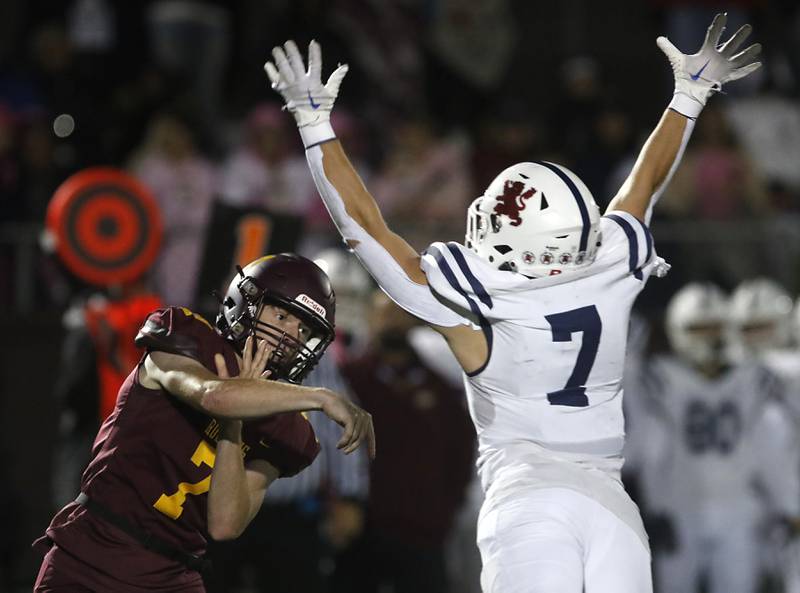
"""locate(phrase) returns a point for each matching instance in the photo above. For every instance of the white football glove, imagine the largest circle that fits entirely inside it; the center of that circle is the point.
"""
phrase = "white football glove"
(699, 75)
(302, 90)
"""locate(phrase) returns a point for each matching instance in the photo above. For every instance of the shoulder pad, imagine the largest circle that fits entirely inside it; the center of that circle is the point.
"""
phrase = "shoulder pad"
(178, 330)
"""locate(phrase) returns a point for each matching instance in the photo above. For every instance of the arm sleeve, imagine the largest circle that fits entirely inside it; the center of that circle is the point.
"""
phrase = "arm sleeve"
(687, 133)
(777, 459)
(415, 298)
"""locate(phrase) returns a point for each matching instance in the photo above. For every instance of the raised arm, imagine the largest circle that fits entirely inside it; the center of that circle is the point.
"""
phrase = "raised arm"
(359, 206)
(697, 77)
(393, 263)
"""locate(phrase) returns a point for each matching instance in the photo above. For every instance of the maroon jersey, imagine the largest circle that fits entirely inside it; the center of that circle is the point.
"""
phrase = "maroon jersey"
(152, 461)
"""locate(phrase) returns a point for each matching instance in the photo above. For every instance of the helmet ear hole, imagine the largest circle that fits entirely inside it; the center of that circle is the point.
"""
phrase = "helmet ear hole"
(502, 249)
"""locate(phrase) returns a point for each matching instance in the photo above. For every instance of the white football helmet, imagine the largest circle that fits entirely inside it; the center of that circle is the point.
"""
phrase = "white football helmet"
(353, 286)
(537, 219)
(759, 320)
(695, 322)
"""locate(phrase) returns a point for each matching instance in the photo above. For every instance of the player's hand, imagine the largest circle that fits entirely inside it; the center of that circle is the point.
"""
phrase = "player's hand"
(701, 74)
(302, 90)
(253, 365)
(356, 422)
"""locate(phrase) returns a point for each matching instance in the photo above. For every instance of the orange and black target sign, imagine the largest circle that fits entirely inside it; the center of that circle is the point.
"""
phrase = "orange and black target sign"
(106, 226)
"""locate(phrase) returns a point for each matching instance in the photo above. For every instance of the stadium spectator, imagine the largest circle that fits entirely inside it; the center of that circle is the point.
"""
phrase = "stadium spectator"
(508, 134)
(190, 40)
(184, 183)
(768, 126)
(717, 180)
(425, 177)
(419, 481)
(265, 170)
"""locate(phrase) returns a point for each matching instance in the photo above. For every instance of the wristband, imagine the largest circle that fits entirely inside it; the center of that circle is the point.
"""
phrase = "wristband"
(314, 134)
(685, 105)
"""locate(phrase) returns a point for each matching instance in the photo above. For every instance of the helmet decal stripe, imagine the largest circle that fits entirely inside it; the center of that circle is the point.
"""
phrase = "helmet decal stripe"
(578, 199)
(476, 285)
(633, 243)
(447, 271)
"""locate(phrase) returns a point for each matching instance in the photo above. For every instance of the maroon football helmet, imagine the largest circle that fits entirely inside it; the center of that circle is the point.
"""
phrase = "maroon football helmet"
(293, 283)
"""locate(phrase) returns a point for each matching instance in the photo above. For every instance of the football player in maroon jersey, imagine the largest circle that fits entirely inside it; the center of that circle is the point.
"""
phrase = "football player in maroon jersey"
(201, 428)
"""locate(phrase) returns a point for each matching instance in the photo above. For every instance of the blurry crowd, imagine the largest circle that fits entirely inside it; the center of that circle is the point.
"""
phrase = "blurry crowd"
(440, 97)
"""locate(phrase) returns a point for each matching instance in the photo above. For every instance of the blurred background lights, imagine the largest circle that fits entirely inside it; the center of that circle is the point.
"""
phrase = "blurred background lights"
(63, 125)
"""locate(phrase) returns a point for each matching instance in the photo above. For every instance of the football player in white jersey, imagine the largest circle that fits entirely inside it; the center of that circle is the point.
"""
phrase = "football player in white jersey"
(726, 450)
(788, 367)
(760, 326)
(535, 308)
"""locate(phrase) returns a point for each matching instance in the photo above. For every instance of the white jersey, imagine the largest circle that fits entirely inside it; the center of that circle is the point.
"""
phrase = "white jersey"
(785, 363)
(547, 405)
(726, 442)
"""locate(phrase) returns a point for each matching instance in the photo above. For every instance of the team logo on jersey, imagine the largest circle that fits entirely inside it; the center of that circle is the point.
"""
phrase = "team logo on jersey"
(311, 304)
(512, 201)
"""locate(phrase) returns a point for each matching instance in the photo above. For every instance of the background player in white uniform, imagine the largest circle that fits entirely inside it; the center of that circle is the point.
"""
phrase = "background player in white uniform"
(535, 309)
(762, 327)
(724, 468)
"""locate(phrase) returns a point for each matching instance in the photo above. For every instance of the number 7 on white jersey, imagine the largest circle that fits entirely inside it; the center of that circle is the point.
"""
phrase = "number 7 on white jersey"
(563, 325)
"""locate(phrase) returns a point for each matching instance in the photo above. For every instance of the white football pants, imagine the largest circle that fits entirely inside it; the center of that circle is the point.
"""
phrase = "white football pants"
(557, 540)
(726, 548)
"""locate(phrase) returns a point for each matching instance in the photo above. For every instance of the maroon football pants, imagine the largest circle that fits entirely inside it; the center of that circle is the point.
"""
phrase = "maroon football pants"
(63, 573)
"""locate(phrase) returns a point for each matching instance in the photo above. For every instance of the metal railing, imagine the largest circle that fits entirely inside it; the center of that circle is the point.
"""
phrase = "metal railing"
(726, 251)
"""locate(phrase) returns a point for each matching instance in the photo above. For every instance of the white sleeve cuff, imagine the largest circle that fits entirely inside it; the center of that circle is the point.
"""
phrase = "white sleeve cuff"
(316, 134)
(685, 105)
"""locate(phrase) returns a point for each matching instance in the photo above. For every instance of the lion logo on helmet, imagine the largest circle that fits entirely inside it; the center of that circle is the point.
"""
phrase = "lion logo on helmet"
(512, 201)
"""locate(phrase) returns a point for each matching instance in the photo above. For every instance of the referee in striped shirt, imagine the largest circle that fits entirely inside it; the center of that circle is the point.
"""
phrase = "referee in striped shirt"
(305, 520)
